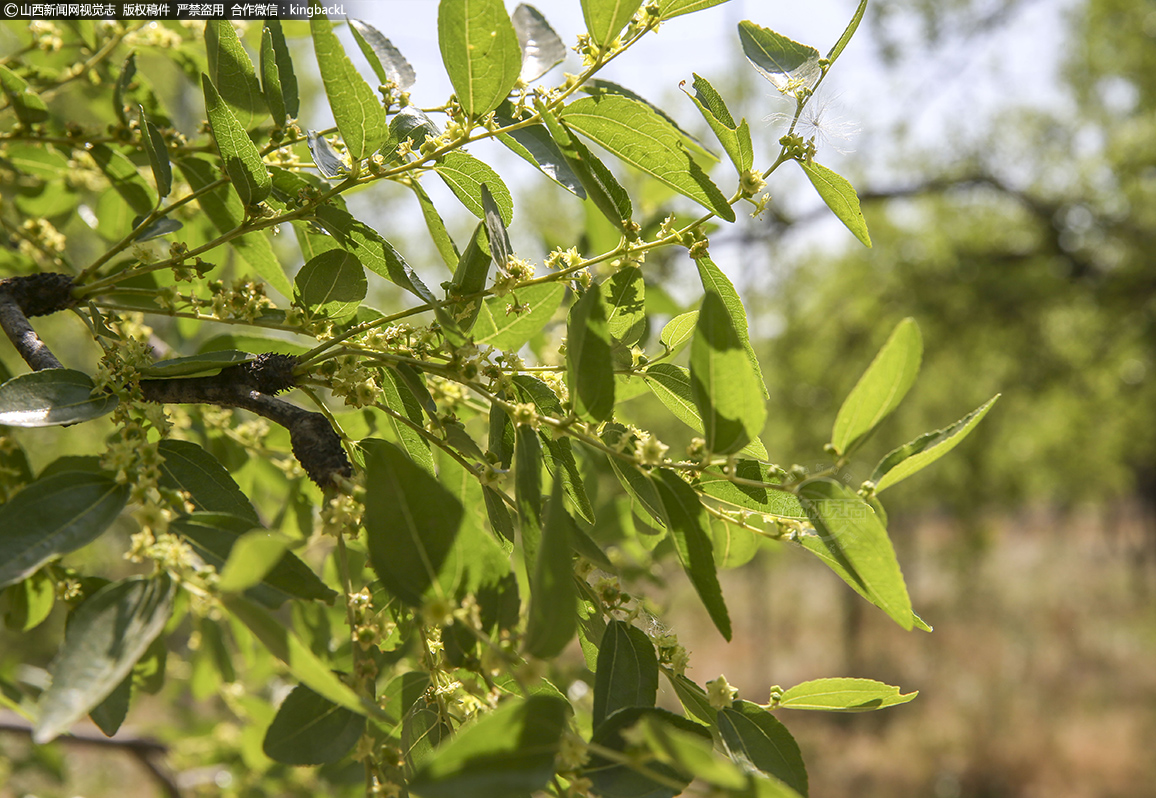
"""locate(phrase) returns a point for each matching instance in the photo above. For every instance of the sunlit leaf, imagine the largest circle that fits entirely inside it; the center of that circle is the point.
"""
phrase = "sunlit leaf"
(724, 384)
(356, 108)
(606, 18)
(853, 535)
(480, 51)
(640, 137)
(331, 285)
(231, 72)
(840, 197)
(589, 368)
(881, 388)
(911, 457)
(843, 695)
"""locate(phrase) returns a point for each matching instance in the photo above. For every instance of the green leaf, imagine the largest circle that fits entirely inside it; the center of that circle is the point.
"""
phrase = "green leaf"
(110, 713)
(674, 8)
(735, 139)
(605, 19)
(843, 695)
(640, 137)
(480, 51)
(374, 252)
(398, 397)
(688, 532)
(469, 281)
(624, 297)
(386, 60)
(331, 285)
(213, 535)
(553, 618)
(158, 155)
(411, 521)
(541, 47)
(881, 388)
(124, 178)
(436, 226)
(253, 557)
(106, 636)
(271, 77)
(627, 671)
(598, 87)
(589, 367)
(510, 321)
(231, 71)
(55, 515)
(601, 187)
(624, 781)
(195, 364)
(558, 453)
(190, 468)
(29, 602)
(678, 330)
(226, 213)
(714, 280)
(671, 384)
(465, 175)
(911, 457)
(30, 109)
(751, 497)
(733, 545)
(357, 110)
(534, 145)
(509, 751)
(852, 26)
(724, 384)
(286, 78)
(840, 197)
(242, 160)
(528, 490)
(691, 754)
(499, 239)
(693, 698)
(309, 729)
(854, 536)
(50, 398)
(284, 644)
(751, 734)
(788, 65)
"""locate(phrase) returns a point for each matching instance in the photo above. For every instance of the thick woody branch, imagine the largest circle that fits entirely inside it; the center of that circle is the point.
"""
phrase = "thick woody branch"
(33, 295)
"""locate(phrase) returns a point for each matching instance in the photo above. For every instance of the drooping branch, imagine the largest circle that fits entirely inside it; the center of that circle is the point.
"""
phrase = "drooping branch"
(249, 386)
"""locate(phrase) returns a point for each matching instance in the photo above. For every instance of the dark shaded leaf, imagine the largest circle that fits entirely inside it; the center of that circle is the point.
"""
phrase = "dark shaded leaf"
(553, 619)
(51, 397)
(55, 515)
(589, 367)
(688, 531)
(788, 65)
(106, 636)
(309, 729)
(411, 522)
(190, 468)
(627, 672)
(751, 734)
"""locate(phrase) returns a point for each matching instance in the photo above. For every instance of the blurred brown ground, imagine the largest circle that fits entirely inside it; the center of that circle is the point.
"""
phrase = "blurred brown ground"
(1039, 680)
